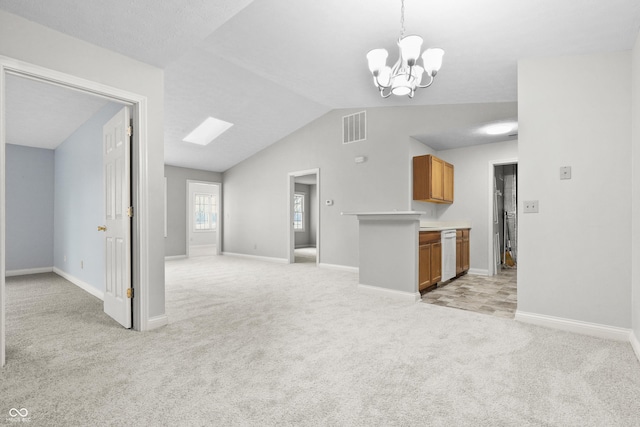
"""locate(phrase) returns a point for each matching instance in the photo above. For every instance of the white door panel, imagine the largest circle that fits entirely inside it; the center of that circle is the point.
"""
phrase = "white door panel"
(117, 191)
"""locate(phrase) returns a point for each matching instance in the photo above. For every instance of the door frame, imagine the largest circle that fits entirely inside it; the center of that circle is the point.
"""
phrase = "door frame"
(291, 237)
(218, 213)
(492, 173)
(139, 180)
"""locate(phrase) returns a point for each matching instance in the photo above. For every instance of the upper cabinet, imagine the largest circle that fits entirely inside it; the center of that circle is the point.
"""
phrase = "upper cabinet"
(432, 179)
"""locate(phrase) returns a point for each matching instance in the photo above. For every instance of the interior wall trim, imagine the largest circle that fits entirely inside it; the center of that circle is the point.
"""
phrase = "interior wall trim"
(575, 326)
(174, 257)
(479, 271)
(79, 283)
(258, 257)
(157, 322)
(25, 271)
(339, 267)
(635, 344)
(398, 295)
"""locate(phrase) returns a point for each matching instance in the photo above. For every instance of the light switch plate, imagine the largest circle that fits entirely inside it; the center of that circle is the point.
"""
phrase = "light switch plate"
(565, 172)
(530, 206)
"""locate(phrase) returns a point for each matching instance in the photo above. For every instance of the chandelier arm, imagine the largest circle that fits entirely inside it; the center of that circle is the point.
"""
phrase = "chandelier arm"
(428, 84)
(380, 85)
(382, 93)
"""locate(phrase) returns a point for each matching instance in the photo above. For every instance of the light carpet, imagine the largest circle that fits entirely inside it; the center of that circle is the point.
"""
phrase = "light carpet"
(257, 343)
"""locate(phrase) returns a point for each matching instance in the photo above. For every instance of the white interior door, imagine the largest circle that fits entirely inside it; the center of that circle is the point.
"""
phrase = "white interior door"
(117, 227)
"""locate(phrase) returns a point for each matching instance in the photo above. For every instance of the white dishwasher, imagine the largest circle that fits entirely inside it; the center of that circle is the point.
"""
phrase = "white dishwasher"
(448, 240)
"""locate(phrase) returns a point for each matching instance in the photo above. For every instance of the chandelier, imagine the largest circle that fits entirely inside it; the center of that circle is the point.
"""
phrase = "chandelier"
(406, 75)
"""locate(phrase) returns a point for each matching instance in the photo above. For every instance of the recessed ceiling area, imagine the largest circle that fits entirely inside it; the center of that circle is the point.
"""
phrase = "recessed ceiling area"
(270, 67)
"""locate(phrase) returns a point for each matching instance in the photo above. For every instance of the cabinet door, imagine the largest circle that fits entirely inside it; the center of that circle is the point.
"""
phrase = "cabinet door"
(458, 255)
(437, 175)
(436, 262)
(465, 250)
(448, 183)
(424, 266)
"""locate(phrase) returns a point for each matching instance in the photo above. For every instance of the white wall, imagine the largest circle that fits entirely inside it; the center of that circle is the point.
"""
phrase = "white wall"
(575, 258)
(255, 196)
(635, 249)
(26, 41)
(472, 194)
(29, 199)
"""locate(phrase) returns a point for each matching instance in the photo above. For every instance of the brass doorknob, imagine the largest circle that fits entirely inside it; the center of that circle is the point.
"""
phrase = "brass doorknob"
(102, 228)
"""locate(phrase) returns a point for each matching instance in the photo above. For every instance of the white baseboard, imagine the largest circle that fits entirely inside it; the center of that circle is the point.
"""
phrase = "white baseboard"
(406, 296)
(257, 257)
(24, 272)
(174, 257)
(575, 326)
(157, 322)
(635, 344)
(79, 283)
(478, 271)
(340, 267)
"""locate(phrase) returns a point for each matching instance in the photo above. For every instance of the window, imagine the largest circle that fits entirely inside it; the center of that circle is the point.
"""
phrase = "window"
(204, 212)
(298, 212)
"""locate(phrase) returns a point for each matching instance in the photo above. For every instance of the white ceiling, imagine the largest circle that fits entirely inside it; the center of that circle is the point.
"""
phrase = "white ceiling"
(272, 66)
(44, 115)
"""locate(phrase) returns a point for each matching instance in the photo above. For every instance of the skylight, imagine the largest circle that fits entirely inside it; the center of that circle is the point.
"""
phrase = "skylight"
(209, 130)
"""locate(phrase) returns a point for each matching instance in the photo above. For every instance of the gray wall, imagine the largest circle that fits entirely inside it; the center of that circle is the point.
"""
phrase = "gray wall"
(36, 44)
(575, 261)
(635, 225)
(255, 196)
(29, 201)
(79, 201)
(176, 240)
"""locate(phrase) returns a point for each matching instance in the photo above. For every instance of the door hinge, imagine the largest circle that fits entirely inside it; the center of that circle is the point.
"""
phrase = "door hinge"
(129, 292)
(130, 211)
(130, 131)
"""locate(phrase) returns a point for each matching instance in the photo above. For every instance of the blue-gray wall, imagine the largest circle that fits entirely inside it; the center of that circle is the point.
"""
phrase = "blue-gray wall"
(79, 203)
(29, 204)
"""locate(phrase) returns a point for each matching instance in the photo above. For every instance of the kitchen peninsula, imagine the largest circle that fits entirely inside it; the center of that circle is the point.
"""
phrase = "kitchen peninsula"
(389, 255)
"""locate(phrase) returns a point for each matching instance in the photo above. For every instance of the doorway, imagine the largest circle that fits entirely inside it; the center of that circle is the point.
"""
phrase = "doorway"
(304, 217)
(204, 219)
(139, 184)
(505, 217)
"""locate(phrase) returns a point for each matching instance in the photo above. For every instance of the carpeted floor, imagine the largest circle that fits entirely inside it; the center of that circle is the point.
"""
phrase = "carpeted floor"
(266, 344)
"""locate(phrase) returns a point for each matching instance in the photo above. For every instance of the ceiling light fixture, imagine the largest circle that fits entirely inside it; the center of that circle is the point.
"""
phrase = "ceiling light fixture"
(208, 130)
(405, 76)
(500, 128)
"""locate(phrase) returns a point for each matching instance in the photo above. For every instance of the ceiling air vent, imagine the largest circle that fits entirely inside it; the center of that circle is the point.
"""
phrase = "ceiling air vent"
(354, 127)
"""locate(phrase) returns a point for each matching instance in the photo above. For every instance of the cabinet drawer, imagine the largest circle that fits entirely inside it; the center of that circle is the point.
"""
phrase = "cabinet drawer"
(429, 237)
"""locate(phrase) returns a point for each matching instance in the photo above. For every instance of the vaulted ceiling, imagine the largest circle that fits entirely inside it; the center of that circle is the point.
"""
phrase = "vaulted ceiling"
(272, 66)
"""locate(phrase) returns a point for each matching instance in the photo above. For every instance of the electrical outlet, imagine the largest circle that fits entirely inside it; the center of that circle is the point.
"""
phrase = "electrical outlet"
(565, 172)
(530, 206)
(64, 258)
(82, 264)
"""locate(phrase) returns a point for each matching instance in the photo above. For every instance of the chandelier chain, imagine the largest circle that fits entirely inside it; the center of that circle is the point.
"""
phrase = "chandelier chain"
(402, 19)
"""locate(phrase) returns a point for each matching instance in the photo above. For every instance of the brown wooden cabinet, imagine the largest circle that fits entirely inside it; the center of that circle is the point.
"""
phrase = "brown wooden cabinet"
(429, 259)
(462, 251)
(432, 179)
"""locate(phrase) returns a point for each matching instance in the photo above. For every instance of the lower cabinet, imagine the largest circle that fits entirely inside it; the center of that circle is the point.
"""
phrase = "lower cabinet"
(430, 256)
(462, 251)
(429, 259)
